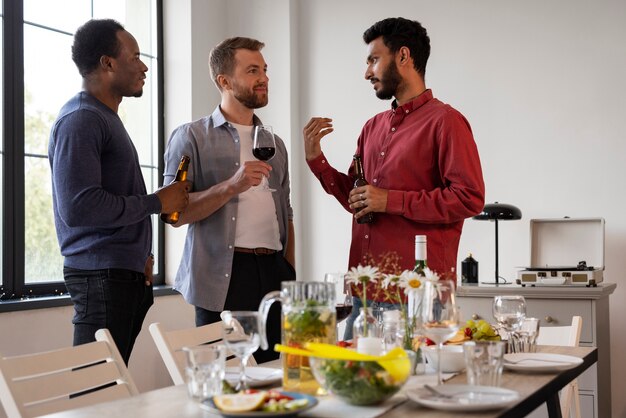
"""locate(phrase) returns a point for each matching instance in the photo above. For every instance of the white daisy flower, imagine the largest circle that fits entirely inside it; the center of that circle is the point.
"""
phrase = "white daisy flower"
(410, 280)
(362, 275)
(430, 275)
(390, 280)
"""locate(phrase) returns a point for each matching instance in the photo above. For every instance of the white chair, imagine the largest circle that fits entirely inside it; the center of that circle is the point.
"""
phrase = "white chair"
(565, 336)
(170, 344)
(43, 383)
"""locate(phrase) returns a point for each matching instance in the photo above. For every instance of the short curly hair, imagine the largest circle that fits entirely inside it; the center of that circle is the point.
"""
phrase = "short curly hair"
(92, 40)
(398, 32)
(222, 57)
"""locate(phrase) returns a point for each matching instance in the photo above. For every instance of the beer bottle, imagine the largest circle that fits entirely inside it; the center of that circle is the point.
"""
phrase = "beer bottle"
(181, 175)
(358, 182)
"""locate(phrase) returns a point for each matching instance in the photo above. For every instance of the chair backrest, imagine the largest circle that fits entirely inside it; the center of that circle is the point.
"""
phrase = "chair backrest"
(568, 335)
(68, 378)
(170, 344)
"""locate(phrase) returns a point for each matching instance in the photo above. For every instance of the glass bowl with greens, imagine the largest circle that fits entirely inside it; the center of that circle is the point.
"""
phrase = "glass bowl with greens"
(357, 382)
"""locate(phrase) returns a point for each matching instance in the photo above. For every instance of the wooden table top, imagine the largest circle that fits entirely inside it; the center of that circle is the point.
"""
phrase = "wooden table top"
(534, 390)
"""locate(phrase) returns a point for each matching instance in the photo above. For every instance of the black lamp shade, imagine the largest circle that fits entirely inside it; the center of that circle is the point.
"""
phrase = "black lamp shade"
(499, 211)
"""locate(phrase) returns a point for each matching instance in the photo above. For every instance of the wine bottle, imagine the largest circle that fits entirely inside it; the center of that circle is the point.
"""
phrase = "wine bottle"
(420, 254)
(181, 175)
(358, 182)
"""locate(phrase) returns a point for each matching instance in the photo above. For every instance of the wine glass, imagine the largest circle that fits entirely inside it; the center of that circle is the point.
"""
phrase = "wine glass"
(509, 311)
(343, 294)
(240, 330)
(438, 318)
(264, 148)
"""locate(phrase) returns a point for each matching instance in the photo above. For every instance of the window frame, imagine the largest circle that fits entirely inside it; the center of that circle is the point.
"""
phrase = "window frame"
(13, 285)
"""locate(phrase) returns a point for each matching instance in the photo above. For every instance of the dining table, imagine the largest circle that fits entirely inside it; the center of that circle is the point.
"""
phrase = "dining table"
(535, 389)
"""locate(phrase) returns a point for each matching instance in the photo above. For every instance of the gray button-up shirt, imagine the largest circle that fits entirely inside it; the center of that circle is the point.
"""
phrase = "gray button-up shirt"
(213, 145)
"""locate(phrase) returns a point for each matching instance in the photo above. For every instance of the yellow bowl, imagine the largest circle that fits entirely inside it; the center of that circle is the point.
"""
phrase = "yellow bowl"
(357, 382)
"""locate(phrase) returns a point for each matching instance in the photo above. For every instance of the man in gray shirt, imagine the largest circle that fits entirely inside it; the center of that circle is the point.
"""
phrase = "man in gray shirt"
(240, 240)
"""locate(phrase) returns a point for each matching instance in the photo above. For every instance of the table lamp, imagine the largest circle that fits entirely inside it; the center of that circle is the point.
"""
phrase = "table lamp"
(498, 212)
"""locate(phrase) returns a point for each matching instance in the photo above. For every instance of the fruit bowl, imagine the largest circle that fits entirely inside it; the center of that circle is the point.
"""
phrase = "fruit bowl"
(453, 360)
(359, 382)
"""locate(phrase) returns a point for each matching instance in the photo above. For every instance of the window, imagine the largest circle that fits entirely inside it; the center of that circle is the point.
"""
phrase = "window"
(40, 77)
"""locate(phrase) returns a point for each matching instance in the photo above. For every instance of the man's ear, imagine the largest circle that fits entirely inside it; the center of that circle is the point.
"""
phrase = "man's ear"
(405, 54)
(106, 63)
(223, 82)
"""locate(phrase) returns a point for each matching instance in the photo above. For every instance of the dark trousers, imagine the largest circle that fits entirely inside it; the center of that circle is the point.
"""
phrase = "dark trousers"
(251, 278)
(115, 299)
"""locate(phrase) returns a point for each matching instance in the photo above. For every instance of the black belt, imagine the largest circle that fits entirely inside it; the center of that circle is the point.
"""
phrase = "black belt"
(255, 251)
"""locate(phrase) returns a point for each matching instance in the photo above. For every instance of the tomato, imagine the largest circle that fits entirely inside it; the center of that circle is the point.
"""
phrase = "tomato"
(344, 344)
(277, 396)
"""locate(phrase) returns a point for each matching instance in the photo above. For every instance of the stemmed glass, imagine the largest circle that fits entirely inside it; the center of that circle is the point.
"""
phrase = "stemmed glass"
(240, 330)
(264, 148)
(438, 318)
(343, 299)
(509, 311)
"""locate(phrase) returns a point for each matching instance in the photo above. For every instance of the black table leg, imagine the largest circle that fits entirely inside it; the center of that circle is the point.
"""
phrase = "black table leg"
(554, 406)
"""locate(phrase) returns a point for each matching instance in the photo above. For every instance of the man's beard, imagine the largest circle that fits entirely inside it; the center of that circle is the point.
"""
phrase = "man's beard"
(389, 82)
(249, 98)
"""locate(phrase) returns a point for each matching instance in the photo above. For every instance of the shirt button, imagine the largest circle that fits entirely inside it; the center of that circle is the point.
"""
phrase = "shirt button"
(332, 184)
(406, 111)
(236, 163)
(323, 161)
(233, 218)
(227, 275)
(375, 180)
(230, 247)
(393, 129)
(236, 140)
(367, 237)
(382, 153)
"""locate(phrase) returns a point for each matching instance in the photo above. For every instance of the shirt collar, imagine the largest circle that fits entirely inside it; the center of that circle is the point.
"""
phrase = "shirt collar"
(413, 104)
(219, 119)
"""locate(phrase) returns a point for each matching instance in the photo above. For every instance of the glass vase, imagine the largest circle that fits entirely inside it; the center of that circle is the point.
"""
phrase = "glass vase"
(367, 333)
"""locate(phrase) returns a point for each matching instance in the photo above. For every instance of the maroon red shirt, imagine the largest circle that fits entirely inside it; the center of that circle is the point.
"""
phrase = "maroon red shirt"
(424, 154)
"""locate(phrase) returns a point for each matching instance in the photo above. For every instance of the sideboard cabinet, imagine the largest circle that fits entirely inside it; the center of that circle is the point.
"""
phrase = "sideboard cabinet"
(555, 306)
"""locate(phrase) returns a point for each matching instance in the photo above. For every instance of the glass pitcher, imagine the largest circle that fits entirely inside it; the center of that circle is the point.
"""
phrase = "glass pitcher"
(308, 315)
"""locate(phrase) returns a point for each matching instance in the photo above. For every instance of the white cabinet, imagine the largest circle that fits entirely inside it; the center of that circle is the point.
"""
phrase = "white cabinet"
(555, 306)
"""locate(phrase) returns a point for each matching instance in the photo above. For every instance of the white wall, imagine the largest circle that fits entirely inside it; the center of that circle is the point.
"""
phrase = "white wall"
(542, 84)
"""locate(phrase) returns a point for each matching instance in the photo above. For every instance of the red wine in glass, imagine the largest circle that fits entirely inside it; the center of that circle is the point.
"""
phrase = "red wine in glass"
(263, 153)
(343, 311)
(264, 148)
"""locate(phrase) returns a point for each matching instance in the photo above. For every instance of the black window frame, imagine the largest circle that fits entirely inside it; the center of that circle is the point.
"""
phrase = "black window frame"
(13, 285)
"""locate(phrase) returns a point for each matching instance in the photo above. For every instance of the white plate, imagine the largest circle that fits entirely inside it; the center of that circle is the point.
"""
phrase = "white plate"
(257, 376)
(464, 397)
(540, 362)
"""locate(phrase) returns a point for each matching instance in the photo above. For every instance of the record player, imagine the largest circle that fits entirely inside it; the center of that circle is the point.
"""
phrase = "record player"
(565, 252)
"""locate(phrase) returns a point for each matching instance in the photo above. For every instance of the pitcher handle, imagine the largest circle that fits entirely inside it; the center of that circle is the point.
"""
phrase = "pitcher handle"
(264, 309)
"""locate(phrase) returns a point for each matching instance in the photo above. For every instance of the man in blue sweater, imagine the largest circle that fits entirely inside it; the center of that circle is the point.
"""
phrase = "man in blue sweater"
(101, 207)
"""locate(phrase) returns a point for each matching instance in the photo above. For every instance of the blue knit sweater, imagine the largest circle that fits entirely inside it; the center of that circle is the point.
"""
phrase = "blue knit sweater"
(101, 209)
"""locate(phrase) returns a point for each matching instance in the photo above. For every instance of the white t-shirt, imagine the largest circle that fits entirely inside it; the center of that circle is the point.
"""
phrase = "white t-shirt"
(257, 224)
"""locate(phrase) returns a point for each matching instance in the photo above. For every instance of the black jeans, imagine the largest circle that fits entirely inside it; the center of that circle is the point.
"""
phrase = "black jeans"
(251, 278)
(115, 299)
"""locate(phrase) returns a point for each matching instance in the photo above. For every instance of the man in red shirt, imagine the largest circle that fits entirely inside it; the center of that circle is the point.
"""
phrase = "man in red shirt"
(419, 157)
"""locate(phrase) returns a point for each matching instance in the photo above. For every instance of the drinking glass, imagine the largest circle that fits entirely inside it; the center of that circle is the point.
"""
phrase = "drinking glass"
(240, 330)
(264, 148)
(205, 370)
(509, 311)
(343, 294)
(438, 318)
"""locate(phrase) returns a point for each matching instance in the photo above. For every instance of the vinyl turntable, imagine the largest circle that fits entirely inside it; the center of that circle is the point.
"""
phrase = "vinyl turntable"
(567, 251)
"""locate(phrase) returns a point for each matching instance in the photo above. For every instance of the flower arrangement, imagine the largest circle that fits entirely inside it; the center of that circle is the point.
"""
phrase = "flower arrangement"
(384, 277)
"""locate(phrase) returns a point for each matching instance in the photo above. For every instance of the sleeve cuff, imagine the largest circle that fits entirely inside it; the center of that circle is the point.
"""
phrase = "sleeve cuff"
(153, 203)
(318, 165)
(395, 202)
